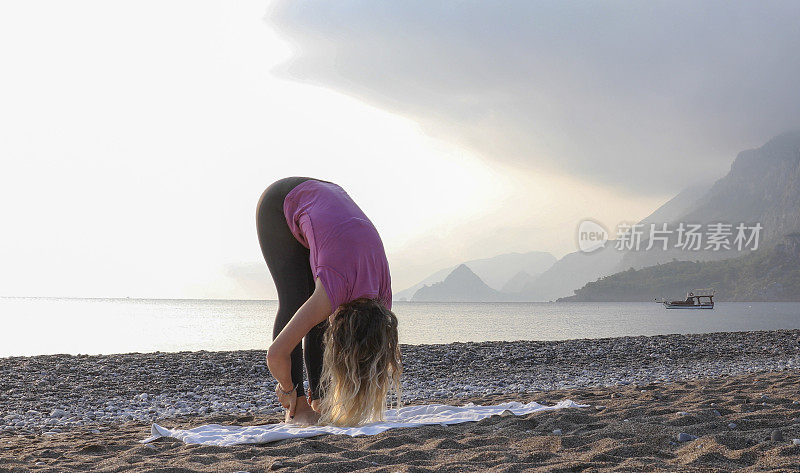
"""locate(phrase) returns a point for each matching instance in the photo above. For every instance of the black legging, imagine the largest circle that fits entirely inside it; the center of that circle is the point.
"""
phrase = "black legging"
(288, 262)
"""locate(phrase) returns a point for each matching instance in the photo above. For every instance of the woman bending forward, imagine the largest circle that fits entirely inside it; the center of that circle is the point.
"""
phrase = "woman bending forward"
(334, 295)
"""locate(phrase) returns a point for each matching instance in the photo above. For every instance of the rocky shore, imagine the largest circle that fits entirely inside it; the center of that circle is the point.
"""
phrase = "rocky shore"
(55, 393)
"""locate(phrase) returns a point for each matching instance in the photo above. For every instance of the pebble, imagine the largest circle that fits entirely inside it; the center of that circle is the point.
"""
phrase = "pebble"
(507, 413)
(557, 432)
(776, 436)
(74, 391)
(684, 437)
(795, 441)
(732, 425)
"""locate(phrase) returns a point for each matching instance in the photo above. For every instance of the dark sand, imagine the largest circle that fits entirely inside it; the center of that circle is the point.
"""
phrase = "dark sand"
(636, 431)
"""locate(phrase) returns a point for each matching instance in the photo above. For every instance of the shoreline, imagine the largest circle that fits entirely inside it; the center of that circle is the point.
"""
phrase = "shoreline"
(456, 343)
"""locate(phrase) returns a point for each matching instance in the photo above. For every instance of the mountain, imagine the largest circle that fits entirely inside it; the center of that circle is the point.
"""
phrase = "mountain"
(517, 282)
(576, 269)
(768, 274)
(461, 285)
(559, 278)
(571, 272)
(498, 270)
(408, 293)
(762, 186)
(495, 271)
(677, 206)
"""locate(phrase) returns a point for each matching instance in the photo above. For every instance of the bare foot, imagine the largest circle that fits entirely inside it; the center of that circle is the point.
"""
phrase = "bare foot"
(304, 414)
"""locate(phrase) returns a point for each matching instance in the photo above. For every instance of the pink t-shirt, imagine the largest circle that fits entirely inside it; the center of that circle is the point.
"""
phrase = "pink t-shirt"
(347, 253)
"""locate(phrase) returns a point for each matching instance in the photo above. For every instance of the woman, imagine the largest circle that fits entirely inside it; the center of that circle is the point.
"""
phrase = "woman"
(334, 294)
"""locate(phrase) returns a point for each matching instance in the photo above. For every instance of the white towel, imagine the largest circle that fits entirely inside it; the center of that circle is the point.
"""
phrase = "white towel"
(409, 416)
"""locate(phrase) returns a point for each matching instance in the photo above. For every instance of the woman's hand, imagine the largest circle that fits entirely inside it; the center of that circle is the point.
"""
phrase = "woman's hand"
(288, 401)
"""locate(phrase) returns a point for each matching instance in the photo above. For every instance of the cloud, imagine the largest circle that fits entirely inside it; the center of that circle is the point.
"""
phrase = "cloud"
(651, 96)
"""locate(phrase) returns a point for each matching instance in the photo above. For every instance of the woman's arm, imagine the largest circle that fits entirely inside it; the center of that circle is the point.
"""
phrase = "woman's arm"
(316, 309)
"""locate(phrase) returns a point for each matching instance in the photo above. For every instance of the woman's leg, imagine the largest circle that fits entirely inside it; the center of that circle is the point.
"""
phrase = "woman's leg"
(312, 351)
(288, 263)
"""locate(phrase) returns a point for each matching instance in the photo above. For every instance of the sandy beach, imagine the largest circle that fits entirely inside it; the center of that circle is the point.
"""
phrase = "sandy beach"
(737, 393)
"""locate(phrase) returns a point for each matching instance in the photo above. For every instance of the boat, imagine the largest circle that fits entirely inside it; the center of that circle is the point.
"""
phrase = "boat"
(697, 299)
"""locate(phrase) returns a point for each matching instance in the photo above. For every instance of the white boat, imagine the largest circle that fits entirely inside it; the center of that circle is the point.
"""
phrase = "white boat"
(697, 299)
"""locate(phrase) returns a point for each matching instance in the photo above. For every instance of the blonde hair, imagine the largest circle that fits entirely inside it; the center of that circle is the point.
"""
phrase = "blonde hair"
(361, 363)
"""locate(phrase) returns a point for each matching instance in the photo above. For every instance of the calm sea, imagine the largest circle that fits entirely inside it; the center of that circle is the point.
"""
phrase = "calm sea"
(31, 326)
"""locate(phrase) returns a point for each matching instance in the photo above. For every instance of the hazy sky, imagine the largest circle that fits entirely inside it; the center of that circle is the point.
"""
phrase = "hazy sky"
(136, 137)
(615, 92)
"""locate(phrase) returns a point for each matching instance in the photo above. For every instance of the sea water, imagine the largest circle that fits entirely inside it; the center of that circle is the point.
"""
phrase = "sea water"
(32, 326)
